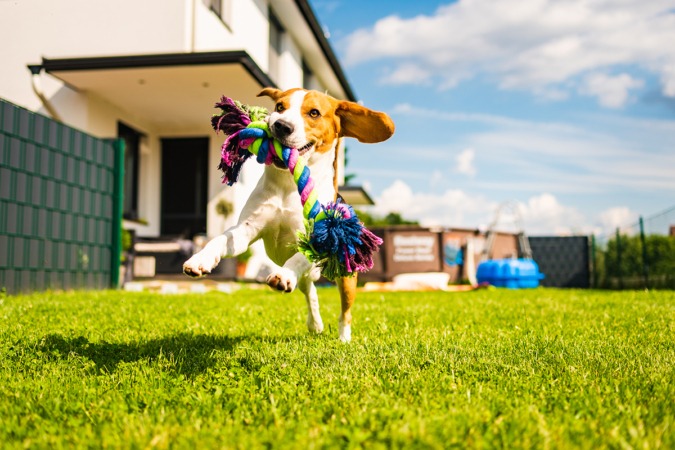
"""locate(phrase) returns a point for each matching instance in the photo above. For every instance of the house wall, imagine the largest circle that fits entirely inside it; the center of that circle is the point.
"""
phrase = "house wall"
(86, 28)
(247, 18)
(79, 28)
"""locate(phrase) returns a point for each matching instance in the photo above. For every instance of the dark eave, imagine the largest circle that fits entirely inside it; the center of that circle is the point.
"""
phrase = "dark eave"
(158, 60)
(355, 195)
(170, 91)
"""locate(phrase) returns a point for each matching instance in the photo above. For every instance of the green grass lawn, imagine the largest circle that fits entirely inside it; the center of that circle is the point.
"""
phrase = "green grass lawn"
(486, 369)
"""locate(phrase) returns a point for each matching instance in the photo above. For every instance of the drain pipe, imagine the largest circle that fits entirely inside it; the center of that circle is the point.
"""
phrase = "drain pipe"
(35, 71)
(193, 24)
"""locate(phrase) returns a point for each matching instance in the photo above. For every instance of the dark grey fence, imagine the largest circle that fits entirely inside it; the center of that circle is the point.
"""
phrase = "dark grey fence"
(564, 260)
(60, 205)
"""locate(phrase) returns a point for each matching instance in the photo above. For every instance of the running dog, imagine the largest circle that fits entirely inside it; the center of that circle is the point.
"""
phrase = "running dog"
(313, 123)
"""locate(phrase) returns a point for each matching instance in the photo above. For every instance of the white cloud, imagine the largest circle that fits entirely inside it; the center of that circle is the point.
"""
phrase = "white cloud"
(544, 46)
(561, 173)
(407, 74)
(543, 214)
(449, 208)
(612, 91)
(465, 162)
(668, 79)
(613, 218)
(436, 179)
(558, 157)
(540, 215)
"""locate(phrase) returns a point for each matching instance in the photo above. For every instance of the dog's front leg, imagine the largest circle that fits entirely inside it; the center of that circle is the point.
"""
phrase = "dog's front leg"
(233, 242)
(299, 270)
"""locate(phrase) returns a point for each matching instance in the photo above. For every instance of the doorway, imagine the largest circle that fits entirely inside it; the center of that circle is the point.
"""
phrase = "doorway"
(184, 186)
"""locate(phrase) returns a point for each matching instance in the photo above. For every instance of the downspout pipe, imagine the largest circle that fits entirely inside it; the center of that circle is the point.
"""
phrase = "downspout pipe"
(35, 79)
(193, 22)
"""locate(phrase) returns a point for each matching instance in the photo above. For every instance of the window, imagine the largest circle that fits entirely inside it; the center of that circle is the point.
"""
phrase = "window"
(216, 6)
(132, 140)
(221, 8)
(276, 37)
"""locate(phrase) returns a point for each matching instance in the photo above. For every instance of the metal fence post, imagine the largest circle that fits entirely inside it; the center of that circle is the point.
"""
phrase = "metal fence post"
(594, 264)
(619, 271)
(118, 199)
(645, 262)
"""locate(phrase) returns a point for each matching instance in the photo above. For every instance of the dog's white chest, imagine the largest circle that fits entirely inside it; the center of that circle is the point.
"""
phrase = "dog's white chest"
(278, 205)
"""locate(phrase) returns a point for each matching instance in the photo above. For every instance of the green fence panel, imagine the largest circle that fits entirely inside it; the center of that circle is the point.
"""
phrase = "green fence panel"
(60, 197)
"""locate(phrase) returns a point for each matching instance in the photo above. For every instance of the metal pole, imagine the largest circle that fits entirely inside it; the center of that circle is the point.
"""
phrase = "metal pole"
(118, 206)
(645, 263)
(594, 265)
(619, 272)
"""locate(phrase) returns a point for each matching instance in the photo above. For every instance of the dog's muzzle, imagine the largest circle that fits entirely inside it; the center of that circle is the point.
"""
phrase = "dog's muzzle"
(282, 129)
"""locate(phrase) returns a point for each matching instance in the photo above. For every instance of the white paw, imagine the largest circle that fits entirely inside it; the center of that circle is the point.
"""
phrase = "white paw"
(283, 280)
(345, 332)
(201, 264)
(314, 326)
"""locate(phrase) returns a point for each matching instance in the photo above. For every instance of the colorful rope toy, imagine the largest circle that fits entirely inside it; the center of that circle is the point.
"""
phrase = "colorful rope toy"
(333, 238)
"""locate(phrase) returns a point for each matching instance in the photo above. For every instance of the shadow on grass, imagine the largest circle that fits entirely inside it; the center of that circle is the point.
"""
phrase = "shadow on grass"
(186, 353)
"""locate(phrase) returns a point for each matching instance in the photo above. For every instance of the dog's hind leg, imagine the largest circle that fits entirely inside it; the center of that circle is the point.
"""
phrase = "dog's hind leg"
(306, 285)
(347, 288)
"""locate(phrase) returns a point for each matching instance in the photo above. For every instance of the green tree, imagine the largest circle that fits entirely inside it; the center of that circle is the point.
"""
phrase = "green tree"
(623, 260)
(393, 218)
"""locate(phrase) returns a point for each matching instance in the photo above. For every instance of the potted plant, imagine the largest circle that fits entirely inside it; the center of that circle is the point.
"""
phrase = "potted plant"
(242, 261)
(224, 208)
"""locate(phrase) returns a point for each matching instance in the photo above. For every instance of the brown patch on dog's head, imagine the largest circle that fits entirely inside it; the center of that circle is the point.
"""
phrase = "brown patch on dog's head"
(324, 119)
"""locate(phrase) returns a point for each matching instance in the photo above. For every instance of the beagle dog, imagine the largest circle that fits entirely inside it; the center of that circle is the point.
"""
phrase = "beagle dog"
(313, 123)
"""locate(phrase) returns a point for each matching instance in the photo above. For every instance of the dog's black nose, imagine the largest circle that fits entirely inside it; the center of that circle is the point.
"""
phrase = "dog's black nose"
(282, 129)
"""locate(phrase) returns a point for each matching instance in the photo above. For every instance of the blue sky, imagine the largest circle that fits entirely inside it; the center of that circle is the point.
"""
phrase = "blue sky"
(565, 111)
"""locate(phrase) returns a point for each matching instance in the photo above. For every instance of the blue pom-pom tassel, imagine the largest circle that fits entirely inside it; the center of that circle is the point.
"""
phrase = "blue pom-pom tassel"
(336, 231)
(338, 242)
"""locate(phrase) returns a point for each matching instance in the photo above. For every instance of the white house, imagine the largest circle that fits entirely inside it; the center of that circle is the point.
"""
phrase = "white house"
(150, 71)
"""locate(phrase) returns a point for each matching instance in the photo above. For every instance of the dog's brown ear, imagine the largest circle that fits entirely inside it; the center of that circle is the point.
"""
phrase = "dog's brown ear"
(270, 92)
(364, 124)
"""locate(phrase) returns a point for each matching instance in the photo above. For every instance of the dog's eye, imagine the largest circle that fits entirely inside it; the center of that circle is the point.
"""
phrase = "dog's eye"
(279, 107)
(314, 113)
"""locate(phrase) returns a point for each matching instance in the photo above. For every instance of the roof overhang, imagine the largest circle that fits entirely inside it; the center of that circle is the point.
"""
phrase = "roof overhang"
(170, 91)
(355, 195)
(315, 44)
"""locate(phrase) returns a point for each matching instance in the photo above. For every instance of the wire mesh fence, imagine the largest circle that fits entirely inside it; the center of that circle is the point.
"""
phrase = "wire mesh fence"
(638, 255)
